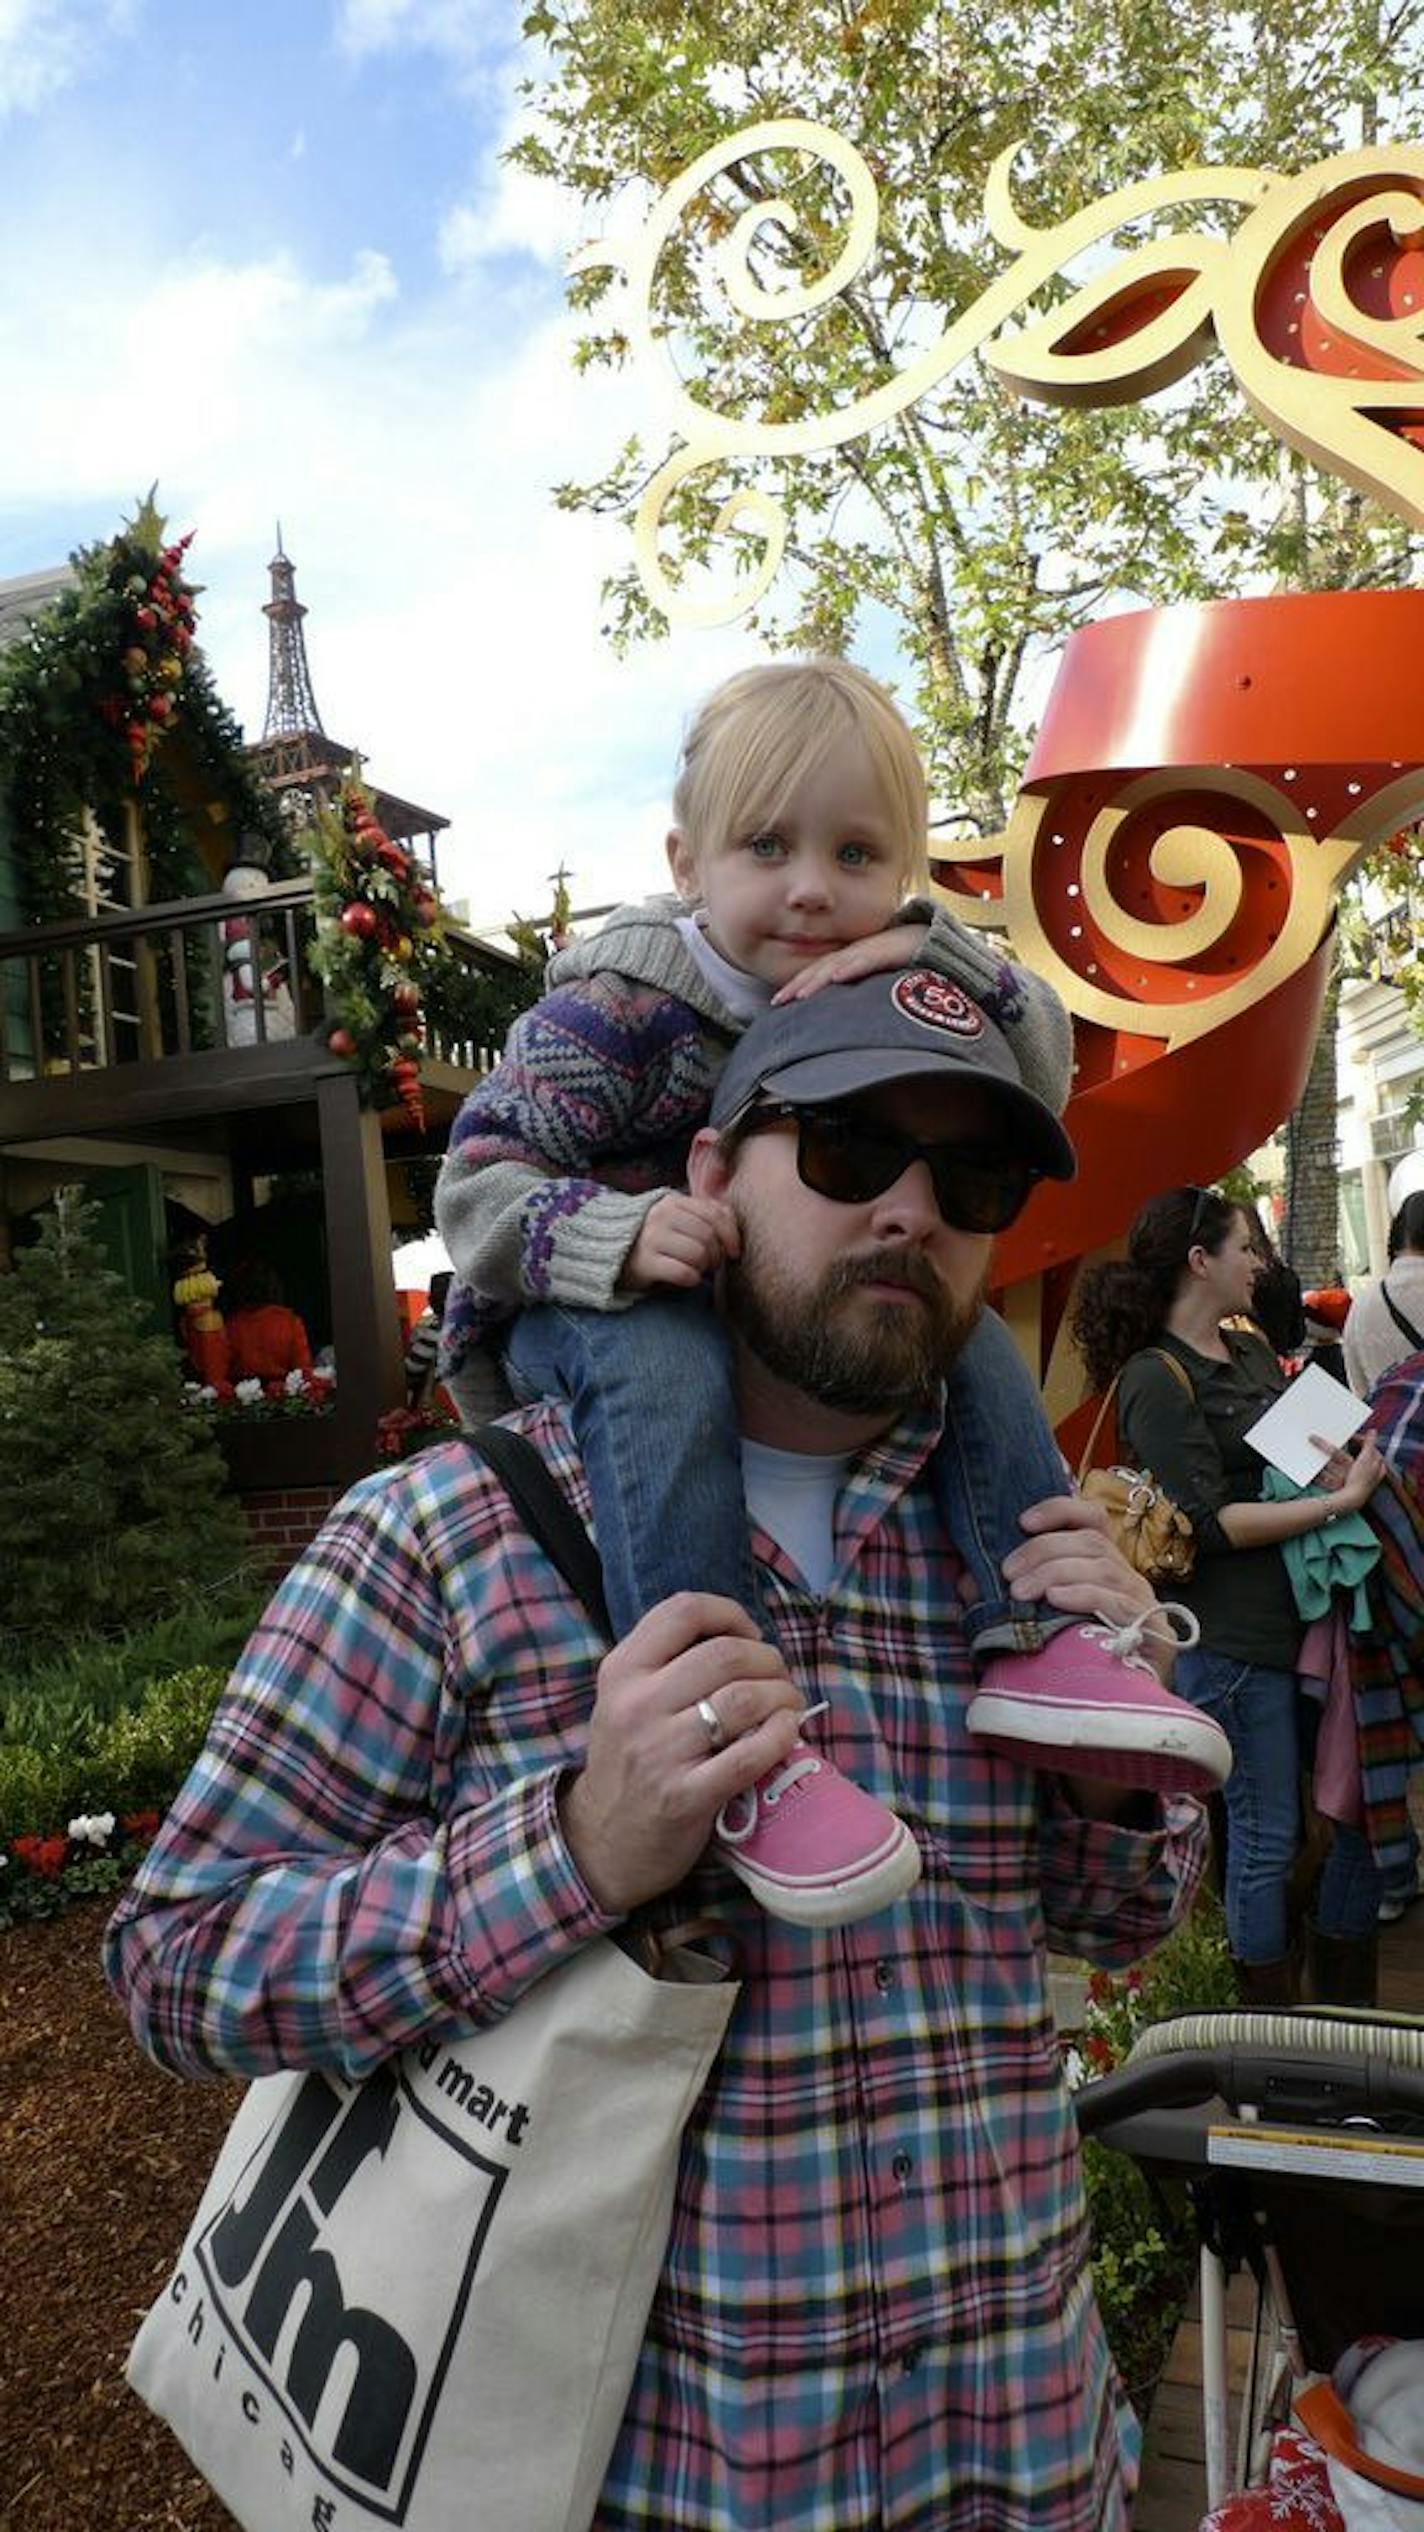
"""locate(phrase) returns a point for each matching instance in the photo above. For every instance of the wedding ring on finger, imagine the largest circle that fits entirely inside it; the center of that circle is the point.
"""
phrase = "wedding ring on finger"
(711, 1723)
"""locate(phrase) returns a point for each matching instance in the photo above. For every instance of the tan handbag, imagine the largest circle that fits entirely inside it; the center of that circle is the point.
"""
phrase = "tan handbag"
(1144, 1524)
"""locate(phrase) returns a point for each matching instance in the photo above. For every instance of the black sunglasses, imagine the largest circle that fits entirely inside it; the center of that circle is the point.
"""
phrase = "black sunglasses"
(1206, 1198)
(977, 1186)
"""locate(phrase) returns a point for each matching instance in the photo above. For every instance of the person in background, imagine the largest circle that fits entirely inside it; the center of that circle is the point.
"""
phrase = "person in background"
(1384, 1329)
(800, 828)
(1168, 1319)
(423, 1350)
(265, 1339)
(1326, 1311)
(432, 1782)
(1386, 1320)
(1276, 1304)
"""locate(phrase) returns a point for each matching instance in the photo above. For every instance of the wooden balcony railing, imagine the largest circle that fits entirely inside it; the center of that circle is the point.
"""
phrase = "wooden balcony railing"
(155, 985)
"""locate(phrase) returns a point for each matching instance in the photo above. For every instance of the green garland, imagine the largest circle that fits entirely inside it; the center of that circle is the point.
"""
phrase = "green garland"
(89, 696)
(390, 976)
(377, 941)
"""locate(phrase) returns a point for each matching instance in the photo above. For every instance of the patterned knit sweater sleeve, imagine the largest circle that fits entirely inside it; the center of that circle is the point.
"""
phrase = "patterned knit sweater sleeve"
(556, 1159)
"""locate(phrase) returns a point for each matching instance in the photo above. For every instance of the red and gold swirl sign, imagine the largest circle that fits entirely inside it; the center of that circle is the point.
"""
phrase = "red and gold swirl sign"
(1203, 781)
(1205, 778)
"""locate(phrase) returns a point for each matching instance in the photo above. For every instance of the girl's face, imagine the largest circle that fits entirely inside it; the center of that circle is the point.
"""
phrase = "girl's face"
(828, 869)
(1231, 1273)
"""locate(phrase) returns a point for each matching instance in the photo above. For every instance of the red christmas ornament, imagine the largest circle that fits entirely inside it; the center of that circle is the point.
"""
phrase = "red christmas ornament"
(341, 1042)
(359, 920)
(405, 996)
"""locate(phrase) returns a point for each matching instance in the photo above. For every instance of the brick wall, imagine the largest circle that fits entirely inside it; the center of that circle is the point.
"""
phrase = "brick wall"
(280, 1524)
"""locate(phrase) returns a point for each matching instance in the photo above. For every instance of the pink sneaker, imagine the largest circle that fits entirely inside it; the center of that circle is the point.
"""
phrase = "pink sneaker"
(1091, 1703)
(814, 1848)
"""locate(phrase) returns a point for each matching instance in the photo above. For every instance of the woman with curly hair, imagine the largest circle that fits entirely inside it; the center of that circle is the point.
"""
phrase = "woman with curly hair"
(1189, 1389)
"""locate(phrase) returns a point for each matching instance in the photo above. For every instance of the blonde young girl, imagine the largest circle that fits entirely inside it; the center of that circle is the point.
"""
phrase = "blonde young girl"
(799, 833)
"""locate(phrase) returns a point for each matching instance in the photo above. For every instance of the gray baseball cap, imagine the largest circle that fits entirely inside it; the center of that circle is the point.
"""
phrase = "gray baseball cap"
(907, 1024)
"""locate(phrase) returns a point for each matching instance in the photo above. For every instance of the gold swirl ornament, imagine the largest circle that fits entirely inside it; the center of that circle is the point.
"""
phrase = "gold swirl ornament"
(1303, 299)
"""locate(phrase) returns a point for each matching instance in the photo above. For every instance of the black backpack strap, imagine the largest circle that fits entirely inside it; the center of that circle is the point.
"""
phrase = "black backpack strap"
(1405, 1326)
(546, 1513)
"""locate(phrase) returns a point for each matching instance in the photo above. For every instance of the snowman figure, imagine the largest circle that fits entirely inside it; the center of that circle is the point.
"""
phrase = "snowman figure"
(245, 961)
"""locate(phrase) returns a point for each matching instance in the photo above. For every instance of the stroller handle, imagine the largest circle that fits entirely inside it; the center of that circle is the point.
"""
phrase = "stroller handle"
(1317, 2072)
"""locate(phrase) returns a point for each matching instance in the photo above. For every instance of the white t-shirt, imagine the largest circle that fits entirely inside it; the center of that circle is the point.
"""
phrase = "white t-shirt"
(792, 1496)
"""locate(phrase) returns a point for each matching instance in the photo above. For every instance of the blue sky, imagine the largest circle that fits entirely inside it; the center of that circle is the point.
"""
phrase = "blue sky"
(266, 253)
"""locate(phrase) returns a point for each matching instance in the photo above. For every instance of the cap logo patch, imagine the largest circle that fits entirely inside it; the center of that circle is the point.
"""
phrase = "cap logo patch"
(936, 1003)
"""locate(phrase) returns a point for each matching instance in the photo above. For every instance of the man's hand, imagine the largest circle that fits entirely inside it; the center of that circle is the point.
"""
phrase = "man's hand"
(1069, 1561)
(643, 1809)
(683, 1240)
(901, 946)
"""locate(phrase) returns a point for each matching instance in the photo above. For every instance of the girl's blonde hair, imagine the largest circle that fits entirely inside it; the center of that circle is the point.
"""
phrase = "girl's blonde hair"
(762, 732)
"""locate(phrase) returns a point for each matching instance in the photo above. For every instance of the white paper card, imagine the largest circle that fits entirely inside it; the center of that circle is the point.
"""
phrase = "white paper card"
(1313, 1404)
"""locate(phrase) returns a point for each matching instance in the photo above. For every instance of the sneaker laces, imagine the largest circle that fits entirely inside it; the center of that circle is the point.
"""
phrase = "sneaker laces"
(799, 1762)
(1125, 1640)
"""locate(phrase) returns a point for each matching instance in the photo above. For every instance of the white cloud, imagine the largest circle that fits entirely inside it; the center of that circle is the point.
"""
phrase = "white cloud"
(407, 443)
(44, 44)
(466, 34)
(509, 212)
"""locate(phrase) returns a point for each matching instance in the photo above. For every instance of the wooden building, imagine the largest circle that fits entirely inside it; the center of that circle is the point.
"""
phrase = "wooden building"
(121, 1068)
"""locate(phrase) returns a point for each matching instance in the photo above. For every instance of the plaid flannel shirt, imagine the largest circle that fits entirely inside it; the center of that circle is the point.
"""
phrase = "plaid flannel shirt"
(876, 2312)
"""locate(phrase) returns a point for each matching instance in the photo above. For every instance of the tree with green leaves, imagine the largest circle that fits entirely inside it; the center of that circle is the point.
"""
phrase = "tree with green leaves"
(111, 1491)
(979, 528)
(973, 531)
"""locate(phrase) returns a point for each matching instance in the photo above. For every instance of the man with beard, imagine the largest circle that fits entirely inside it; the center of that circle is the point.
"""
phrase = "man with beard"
(876, 2312)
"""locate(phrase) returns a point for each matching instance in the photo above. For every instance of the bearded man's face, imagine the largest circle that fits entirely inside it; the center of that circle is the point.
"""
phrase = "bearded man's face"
(861, 1306)
(840, 1335)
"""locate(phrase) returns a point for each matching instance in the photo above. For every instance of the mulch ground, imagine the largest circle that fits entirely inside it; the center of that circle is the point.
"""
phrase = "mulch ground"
(102, 2161)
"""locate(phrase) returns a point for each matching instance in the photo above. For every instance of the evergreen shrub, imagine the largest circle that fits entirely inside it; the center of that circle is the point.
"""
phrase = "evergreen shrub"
(111, 1495)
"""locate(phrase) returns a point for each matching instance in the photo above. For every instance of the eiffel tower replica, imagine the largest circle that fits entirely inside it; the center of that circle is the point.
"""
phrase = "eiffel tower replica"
(294, 756)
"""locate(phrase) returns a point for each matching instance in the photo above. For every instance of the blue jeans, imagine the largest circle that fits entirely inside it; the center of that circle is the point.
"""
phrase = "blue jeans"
(654, 1407)
(997, 1457)
(1259, 1710)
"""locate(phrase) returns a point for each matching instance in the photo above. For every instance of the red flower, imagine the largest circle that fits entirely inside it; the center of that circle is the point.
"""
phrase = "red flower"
(140, 1824)
(46, 1856)
(1098, 2053)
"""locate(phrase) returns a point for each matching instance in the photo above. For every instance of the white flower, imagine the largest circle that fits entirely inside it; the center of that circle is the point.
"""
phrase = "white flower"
(248, 1392)
(1074, 2070)
(295, 1383)
(95, 1831)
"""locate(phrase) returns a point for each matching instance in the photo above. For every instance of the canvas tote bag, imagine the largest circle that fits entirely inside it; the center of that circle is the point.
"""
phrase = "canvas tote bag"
(419, 2300)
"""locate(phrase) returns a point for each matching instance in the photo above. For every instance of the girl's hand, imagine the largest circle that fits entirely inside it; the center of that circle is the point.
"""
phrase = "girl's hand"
(901, 946)
(683, 1239)
(1350, 1476)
